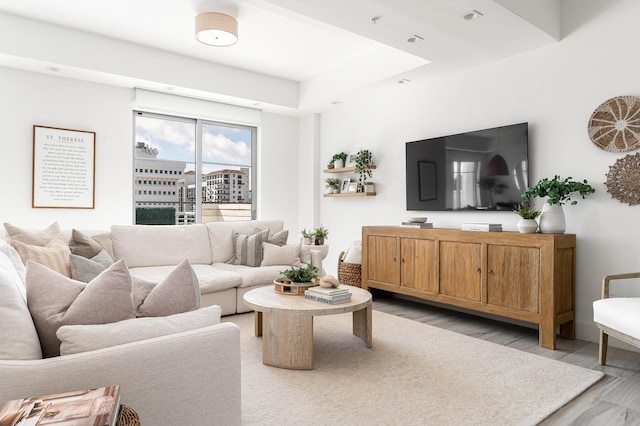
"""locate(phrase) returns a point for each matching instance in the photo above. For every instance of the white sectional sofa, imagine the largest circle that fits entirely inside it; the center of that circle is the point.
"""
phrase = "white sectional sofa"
(151, 252)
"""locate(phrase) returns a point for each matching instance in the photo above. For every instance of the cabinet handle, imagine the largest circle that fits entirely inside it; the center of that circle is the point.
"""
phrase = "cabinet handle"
(490, 272)
(402, 260)
(478, 270)
(394, 259)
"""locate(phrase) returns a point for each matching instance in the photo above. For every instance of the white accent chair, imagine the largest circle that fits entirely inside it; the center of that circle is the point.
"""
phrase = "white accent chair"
(617, 316)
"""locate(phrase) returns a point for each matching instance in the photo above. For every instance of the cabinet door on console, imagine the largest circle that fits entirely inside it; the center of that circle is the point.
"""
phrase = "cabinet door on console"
(513, 277)
(461, 270)
(382, 256)
(418, 264)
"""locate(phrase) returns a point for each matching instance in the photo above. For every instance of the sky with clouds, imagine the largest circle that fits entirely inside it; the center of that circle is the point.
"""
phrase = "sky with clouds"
(222, 146)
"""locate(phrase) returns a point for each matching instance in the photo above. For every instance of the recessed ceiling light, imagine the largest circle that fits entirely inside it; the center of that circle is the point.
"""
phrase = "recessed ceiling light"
(470, 16)
(375, 19)
(336, 102)
(404, 81)
(414, 38)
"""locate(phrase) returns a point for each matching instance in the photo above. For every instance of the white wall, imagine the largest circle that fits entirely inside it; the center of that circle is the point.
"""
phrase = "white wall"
(37, 99)
(555, 89)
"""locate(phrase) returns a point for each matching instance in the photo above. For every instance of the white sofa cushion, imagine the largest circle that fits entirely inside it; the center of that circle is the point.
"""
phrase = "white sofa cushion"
(18, 336)
(250, 276)
(210, 278)
(619, 313)
(147, 245)
(221, 233)
(83, 338)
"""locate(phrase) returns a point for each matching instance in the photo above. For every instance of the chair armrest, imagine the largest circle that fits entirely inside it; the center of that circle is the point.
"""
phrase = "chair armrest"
(186, 378)
(607, 279)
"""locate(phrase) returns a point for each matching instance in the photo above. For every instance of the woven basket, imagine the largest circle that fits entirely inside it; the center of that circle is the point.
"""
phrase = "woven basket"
(127, 417)
(349, 273)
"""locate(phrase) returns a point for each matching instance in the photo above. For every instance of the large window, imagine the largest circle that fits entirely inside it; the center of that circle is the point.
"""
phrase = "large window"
(192, 171)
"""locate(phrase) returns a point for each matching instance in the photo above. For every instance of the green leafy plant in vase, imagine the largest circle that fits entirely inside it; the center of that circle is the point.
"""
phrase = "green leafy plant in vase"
(301, 275)
(306, 236)
(527, 224)
(558, 191)
(319, 234)
(363, 161)
(333, 185)
(337, 160)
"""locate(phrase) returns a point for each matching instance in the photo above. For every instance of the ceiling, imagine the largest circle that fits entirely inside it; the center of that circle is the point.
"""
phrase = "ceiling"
(329, 48)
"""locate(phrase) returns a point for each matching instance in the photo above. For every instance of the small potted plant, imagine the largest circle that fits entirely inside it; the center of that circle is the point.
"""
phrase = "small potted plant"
(319, 234)
(301, 275)
(306, 236)
(558, 192)
(332, 185)
(363, 161)
(528, 214)
(338, 160)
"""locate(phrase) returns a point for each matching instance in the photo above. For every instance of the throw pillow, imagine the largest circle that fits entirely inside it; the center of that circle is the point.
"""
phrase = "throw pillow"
(178, 292)
(35, 238)
(83, 338)
(54, 255)
(83, 269)
(14, 257)
(18, 336)
(55, 300)
(288, 254)
(247, 249)
(86, 246)
(279, 238)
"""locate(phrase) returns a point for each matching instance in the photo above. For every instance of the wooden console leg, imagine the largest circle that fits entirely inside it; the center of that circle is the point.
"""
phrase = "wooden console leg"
(568, 330)
(547, 332)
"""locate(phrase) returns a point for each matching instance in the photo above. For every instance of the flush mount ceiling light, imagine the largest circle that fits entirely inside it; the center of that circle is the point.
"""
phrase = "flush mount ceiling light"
(470, 16)
(216, 29)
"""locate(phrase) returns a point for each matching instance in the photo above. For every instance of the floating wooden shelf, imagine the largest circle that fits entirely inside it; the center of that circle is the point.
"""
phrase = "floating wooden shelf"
(352, 194)
(345, 169)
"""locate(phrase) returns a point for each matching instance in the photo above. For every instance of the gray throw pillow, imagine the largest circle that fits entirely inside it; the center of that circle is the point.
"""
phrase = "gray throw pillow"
(55, 300)
(85, 270)
(247, 249)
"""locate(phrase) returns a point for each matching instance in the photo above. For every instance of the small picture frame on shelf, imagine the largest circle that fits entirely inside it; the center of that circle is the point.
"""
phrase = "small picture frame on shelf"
(351, 159)
(345, 185)
(353, 187)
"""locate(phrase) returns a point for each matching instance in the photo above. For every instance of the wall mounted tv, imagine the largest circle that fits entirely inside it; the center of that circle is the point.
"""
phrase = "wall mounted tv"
(484, 170)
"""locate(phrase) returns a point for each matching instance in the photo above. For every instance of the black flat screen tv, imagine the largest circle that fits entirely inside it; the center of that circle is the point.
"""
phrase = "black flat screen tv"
(483, 170)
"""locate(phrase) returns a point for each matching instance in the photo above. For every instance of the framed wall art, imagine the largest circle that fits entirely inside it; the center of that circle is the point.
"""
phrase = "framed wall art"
(63, 168)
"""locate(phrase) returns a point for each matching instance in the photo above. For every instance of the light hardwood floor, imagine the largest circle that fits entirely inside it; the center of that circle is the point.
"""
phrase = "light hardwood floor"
(614, 400)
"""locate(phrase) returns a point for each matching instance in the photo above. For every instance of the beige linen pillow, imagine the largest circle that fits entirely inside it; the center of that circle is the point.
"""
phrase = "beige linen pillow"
(178, 292)
(83, 269)
(54, 255)
(34, 238)
(55, 300)
(288, 254)
(279, 238)
(83, 338)
(247, 249)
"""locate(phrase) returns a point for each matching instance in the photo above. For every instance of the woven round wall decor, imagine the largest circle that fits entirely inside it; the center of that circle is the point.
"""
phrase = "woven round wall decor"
(623, 180)
(615, 125)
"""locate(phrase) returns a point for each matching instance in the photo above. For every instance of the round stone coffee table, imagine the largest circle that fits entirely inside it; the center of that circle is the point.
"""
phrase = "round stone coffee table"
(286, 324)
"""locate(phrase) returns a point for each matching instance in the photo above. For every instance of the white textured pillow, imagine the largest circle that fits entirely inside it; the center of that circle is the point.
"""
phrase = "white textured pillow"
(18, 336)
(55, 300)
(83, 338)
(289, 254)
(177, 292)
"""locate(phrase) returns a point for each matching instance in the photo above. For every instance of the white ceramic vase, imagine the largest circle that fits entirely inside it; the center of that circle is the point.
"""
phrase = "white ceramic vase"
(552, 219)
(527, 226)
(338, 164)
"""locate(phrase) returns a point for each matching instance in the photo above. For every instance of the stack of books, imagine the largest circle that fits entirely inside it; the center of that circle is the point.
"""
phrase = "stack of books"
(332, 296)
(483, 227)
(426, 225)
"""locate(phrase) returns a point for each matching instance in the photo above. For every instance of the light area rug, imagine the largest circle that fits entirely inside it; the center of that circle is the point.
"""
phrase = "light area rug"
(415, 374)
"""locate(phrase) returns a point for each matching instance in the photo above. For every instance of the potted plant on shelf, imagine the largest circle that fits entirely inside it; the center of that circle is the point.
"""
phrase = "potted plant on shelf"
(338, 160)
(558, 192)
(319, 234)
(332, 185)
(306, 236)
(363, 161)
(528, 214)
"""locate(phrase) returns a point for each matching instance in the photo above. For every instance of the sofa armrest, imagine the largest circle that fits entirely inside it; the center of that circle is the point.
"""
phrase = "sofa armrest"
(607, 280)
(186, 378)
